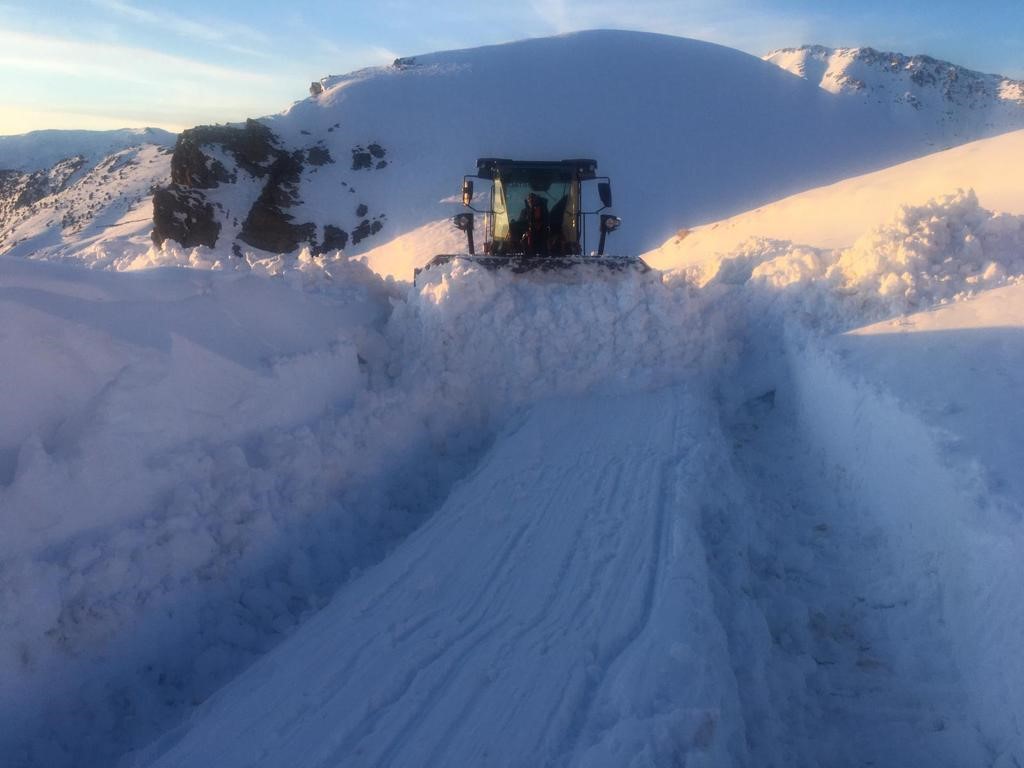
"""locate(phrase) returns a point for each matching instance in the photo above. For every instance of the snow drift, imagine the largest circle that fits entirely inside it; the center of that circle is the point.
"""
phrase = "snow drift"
(834, 216)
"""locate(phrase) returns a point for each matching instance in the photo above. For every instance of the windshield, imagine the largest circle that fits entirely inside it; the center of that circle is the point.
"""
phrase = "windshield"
(558, 199)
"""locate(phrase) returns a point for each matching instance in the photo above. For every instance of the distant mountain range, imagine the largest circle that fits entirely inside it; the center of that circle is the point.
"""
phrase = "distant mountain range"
(41, 150)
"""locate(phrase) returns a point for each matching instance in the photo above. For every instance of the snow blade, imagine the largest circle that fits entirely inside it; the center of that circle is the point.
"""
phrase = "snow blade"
(520, 264)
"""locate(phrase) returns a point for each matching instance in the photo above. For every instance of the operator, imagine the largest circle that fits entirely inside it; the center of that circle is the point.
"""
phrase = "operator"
(534, 217)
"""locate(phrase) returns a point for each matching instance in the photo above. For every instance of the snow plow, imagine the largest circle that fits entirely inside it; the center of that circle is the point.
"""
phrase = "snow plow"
(535, 218)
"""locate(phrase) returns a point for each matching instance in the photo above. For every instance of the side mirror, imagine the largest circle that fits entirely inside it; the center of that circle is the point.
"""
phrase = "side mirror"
(604, 190)
(467, 192)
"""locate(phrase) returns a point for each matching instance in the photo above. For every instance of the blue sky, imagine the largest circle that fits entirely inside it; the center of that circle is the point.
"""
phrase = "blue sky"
(117, 63)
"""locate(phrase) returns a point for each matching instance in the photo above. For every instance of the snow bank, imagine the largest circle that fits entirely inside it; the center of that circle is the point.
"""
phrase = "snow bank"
(500, 338)
(156, 460)
(834, 216)
(926, 255)
(960, 538)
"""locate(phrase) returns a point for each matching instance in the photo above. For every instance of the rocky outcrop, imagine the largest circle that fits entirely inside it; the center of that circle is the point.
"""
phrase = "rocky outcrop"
(208, 160)
(253, 147)
(183, 215)
(269, 226)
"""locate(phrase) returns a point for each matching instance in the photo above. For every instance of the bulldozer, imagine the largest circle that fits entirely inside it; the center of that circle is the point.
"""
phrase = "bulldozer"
(535, 218)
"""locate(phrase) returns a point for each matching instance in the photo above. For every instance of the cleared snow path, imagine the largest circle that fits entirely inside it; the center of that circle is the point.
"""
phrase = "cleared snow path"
(556, 610)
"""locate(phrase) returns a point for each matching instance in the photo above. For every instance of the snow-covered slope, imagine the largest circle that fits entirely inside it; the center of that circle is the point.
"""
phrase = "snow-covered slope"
(65, 192)
(948, 102)
(82, 210)
(834, 216)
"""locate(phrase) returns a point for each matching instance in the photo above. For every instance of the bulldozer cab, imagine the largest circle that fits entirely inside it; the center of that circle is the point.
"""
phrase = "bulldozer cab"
(534, 206)
(535, 210)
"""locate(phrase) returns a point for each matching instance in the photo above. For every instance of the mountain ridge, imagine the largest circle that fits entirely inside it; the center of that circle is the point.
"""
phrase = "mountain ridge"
(950, 101)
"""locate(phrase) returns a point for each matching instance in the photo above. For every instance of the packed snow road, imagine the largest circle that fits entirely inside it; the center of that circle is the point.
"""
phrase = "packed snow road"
(622, 581)
(555, 611)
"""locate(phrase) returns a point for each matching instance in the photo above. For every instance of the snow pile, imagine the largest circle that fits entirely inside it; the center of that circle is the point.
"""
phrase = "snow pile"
(920, 420)
(156, 465)
(495, 337)
(926, 255)
(835, 216)
(304, 266)
(930, 254)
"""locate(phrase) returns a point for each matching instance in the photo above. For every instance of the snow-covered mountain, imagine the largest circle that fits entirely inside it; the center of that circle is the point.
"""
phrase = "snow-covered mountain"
(687, 130)
(950, 103)
(371, 164)
(64, 190)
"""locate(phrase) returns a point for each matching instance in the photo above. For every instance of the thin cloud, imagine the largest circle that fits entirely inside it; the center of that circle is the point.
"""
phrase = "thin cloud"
(223, 34)
(29, 51)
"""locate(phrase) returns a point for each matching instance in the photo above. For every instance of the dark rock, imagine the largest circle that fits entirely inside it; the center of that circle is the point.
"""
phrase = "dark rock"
(361, 210)
(268, 226)
(365, 229)
(335, 239)
(319, 156)
(183, 215)
(361, 159)
(381, 164)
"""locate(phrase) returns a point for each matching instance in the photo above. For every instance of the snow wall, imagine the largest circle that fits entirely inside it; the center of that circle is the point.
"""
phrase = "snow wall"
(961, 538)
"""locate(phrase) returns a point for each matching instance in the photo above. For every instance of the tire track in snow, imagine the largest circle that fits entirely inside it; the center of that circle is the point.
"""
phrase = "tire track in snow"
(543, 614)
(551, 562)
(621, 645)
